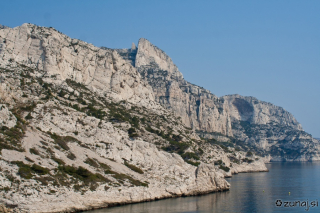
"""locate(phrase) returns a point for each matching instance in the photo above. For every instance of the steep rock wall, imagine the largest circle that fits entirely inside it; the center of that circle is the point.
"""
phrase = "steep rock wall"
(197, 107)
(103, 70)
(262, 126)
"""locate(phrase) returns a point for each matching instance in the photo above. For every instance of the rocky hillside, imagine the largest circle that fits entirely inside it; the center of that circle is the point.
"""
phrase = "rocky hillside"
(80, 128)
(260, 126)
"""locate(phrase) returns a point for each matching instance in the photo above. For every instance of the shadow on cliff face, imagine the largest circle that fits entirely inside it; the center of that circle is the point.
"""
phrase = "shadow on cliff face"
(244, 107)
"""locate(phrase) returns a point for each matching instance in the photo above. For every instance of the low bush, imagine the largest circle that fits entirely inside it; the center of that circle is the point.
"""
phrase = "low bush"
(132, 132)
(178, 147)
(59, 161)
(83, 174)
(189, 155)
(92, 162)
(39, 170)
(27, 171)
(193, 163)
(71, 156)
(133, 167)
(62, 140)
(218, 162)
(224, 168)
(122, 177)
(247, 160)
(34, 151)
(249, 154)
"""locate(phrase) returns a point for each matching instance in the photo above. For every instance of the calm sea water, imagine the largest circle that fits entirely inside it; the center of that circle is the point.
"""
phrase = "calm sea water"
(250, 192)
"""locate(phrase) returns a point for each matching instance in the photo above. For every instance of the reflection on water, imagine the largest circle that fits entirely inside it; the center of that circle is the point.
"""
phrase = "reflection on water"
(250, 192)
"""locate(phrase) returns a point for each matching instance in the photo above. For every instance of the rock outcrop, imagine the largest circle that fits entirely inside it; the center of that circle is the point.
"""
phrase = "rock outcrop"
(3, 27)
(197, 107)
(81, 129)
(7, 119)
(264, 127)
(271, 130)
(102, 70)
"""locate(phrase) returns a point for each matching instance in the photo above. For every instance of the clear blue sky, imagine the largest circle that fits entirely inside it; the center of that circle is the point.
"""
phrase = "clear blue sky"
(266, 49)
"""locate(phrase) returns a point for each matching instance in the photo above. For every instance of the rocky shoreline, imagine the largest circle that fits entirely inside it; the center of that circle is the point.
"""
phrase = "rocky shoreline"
(206, 181)
(254, 169)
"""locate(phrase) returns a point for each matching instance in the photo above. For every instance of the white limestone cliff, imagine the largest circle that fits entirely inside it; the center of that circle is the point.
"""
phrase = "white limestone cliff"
(197, 107)
(258, 124)
(47, 49)
(81, 129)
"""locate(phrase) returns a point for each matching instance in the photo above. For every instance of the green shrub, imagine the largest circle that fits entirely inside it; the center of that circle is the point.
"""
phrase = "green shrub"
(218, 162)
(92, 111)
(76, 107)
(62, 140)
(178, 147)
(81, 101)
(135, 122)
(189, 155)
(122, 177)
(28, 159)
(133, 167)
(71, 156)
(62, 93)
(132, 132)
(59, 161)
(236, 161)
(26, 171)
(76, 85)
(91, 162)
(200, 151)
(29, 117)
(13, 135)
(177, 138)
(39, 170)
(29, 108)
(44, 180)
(150, 129)
(247, 160)
(83, 174)
(249, 154)
(224, 168)
(226, 149)
(34, 151)
(193, 163)
(7, 145)
(104, 166)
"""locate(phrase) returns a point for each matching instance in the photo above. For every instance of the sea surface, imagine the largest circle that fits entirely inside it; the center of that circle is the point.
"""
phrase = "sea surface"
(296, 186)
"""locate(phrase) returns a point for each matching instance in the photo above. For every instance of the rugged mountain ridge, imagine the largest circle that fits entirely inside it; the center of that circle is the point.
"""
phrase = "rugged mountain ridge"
(197, 107)
(266, 128)
(80, 129)
(102, 70)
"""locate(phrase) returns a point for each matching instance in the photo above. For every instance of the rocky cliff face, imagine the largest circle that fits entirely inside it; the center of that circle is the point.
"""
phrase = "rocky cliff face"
(102, 70)
(271, 130)
(262, 126)
(81, 129)
(197, 107)
(3, 27)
